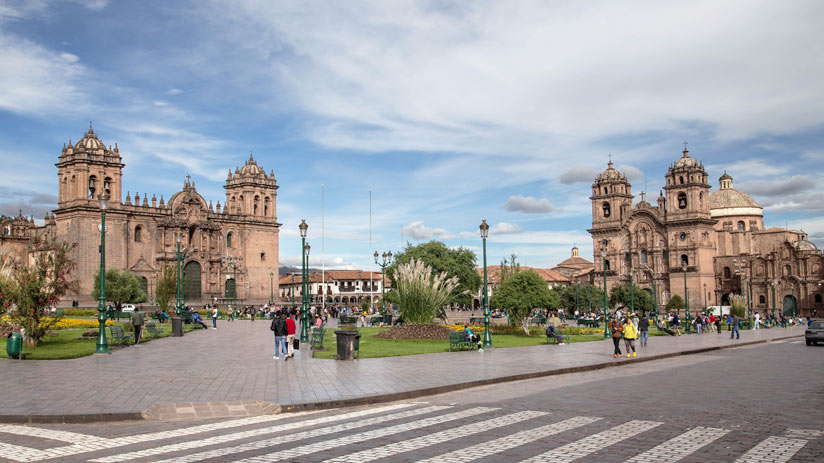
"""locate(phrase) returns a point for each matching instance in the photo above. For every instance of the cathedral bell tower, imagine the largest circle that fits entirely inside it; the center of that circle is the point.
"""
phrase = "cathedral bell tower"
(611, 198)
(687, 189)
(87, 169)
(250, 192)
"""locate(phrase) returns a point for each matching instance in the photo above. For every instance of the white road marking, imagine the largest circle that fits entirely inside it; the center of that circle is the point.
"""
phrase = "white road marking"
(510, 442)
(194, 444)
(680, 446)
(594, 443)
(803, 433)
(773, 450)
(18, 453)
(288, 454)
(64, 436)
(411, 445)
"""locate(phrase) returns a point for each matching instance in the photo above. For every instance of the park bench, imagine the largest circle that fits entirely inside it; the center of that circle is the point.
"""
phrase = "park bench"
(538, 321)
(317, 338)
(115, 315)
(118, 335)
(456, 339)
(554, 340)
(347, 320)
(375, 320)
(151, 328)
(476, 320)
(594, 323)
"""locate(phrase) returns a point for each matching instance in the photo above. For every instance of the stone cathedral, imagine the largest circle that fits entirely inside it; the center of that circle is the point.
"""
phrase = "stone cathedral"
(141, 231)
(716, 242)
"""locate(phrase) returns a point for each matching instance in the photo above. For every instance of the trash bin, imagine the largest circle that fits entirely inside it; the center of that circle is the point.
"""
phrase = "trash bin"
(346, 340)
(14, 346)
(177, 326)
(387, 319)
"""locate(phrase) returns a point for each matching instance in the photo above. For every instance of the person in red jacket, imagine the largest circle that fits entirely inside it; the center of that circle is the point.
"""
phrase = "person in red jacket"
(290, 334)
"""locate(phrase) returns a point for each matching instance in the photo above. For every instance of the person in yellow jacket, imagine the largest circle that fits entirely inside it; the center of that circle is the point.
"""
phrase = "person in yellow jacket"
(630, 333)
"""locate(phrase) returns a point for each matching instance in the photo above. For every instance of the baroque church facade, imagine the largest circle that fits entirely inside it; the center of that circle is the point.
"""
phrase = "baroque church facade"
(703, 246)
(142, 232)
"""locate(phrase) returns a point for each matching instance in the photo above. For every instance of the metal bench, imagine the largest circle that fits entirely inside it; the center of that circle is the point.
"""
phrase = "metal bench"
(118, 335)
(553, 340)
(317, 338)
(115, 315)
(375, 321)
(538, 321)
(346, 320)
(476, 320)
(151, 328)
(456, 339)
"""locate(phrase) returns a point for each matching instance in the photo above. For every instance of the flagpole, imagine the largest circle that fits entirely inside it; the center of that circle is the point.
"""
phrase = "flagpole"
(371, 294)
(323, 245)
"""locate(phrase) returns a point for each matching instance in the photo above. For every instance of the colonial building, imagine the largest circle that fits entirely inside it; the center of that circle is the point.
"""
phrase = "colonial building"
(578, 269)
(552, 278)
(711, 244)
(142, 233)
(349, 288)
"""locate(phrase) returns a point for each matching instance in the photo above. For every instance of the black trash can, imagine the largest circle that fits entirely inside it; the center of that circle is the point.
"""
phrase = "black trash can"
(346, 344)
(387, 319)
(177, 326)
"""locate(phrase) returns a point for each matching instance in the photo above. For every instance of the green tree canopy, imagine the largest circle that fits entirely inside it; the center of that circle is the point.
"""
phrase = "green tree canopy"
(166, 287)
(460, 263)
(520, 294)
(675, 303)
(121, 287)
(623, 295)
(589, 297)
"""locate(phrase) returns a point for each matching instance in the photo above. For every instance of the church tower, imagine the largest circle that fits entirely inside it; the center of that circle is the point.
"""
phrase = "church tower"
(249, 191)
(611, 198)
(87, 169)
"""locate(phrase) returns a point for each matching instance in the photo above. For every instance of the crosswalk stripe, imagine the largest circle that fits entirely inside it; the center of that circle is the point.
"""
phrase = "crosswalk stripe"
(189, 445)
(510, 442)
(680, 446)
(436, 438)
(63, 436)
(19, 453)
(295, 452)
(594, 443)
(773, 450)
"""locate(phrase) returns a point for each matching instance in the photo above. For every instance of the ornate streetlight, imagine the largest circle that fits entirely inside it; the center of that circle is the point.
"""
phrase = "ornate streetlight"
(705, 298)
(631, 294)
(606, 306)
(772, 285)
(304, 311)
(686, 297)
(741, 271)
(102, 344)
(181, 254)
(654, 293)
(385, 262)
(271, 288)
(232, 262)
(487, 342)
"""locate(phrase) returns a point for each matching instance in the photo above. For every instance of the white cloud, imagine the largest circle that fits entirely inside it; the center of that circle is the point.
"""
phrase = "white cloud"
(528, 205)
(419, 231)
(632, 173)
(160, 103)
(505, 228)
(174, 91)
(781, 187)
(752, 168)
(578, 174)
(70, 58)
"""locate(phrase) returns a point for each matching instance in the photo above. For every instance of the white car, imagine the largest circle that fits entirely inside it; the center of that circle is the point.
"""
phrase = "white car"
(127, 308)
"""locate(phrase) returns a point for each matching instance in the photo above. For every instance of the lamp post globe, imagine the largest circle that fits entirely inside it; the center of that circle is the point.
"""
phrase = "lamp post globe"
(102, 346)
(487, 341)
(606, 306)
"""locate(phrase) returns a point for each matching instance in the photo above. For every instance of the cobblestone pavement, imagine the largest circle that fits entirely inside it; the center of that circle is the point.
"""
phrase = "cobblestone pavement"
(760, 403)
(233, 367)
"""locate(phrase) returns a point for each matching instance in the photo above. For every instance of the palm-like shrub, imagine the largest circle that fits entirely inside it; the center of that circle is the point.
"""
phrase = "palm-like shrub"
(738, 305)
(422, 292)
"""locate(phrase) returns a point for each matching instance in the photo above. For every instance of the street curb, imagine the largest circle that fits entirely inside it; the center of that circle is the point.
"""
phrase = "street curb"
(381, 398)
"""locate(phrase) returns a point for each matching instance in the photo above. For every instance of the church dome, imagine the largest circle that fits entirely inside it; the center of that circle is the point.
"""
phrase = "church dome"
(728, 201)
(611, 174)
(90, 142)
(685, 162)
(251, 168)
(805, 245)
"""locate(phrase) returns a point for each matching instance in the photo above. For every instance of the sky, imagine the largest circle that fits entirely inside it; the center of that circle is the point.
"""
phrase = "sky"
(445, 112)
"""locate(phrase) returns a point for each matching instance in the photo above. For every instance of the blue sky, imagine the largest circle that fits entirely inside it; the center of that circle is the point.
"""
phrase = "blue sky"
(448, 112)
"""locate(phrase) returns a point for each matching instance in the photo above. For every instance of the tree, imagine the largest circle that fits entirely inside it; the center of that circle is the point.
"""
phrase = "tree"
(121, 287)
(589, 297)
(509, 268)
(166, 287)
(520, 294)
(459, 263)
(622, 294)
(738, 305)
(422, 292)
(675, 303)
(31, 290)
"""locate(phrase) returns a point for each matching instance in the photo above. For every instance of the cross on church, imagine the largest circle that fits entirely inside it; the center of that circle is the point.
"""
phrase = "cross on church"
(188, 178)
(643, 196)
(610, 157)
(685, 145)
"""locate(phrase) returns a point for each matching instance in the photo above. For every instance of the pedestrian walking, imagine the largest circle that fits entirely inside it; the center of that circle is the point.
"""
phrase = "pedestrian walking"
(643, 329)
(756, 321)
(676, 324)
(734, 332)
(629, 336)
(617, 330)
(280, 330)
(291, 328)
(718, 324)
(214, 318)
(137, 323)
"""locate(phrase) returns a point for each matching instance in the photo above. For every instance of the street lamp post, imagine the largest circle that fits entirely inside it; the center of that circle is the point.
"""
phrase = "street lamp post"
(631, 294)
(102, 344)
(606, 306)
(181, 254)
(740, 270)
(772, 285)
(271, 288)
(705, 298)
(292, 290)
(304, 311)
(232, 261)
(686, 297)
(386, 260)
(576, 295)
(487, 342)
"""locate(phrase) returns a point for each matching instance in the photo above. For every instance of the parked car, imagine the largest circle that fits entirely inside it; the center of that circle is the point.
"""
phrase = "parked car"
(814, 333)
(127, 308)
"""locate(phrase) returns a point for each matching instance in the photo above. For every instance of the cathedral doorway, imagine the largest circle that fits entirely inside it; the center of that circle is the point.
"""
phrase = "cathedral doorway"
(229, 289)
(191, 281)
(789, 305)
(144, 286)
(725, 299)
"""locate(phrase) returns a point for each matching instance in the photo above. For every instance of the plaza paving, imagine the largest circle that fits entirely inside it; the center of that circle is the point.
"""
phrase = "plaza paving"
(230, 372)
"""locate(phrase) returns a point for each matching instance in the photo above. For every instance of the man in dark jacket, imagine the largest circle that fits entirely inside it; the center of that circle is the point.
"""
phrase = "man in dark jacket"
(279, 327)
(643, 329)
(137, 322)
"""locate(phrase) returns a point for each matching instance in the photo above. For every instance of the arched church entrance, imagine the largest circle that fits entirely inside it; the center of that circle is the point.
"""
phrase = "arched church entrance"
(725, 299)
(191, 281)
(789, 305)
(144, 286)
(229, 289)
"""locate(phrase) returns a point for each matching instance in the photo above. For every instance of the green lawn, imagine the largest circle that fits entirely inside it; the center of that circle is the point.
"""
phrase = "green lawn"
(372, 347)
(66, 345)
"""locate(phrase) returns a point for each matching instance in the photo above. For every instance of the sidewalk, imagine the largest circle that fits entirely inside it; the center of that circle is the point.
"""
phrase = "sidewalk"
(230, 372)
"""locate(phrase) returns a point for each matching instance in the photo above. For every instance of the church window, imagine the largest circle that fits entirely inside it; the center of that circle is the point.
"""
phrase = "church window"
(682, 236)
(138, 234)
(818, 299)
(741, 225)
(727, 272)
(701, 198)
(266, 207)
(92, 186)
(262, 256)
(644, 256)
(605, 207)
(606, 265)
(788, 270)
(685, 259)
(230, 240)
(107, 185)
(682, 200)
(256, 202)
(681, 180)
(762, 300)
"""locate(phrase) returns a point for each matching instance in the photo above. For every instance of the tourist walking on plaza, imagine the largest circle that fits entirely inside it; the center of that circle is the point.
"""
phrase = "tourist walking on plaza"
(734, 324)
(629, 336)
(290, 332)
(643, 329)
(676, 324)
(214, 318)
(280, 330)
(756, 320)
(137, 322)
(617, 329)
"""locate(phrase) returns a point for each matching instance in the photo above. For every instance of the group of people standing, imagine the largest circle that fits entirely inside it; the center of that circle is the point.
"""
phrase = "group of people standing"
(629, 328)
(284, 327)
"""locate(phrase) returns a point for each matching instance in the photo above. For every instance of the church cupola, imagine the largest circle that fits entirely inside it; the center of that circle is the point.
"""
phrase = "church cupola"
(687, 188)
(88, 168)
(250, 191)
(611, 197)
